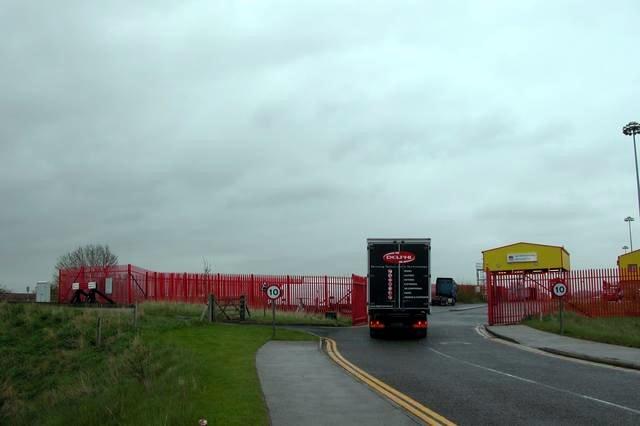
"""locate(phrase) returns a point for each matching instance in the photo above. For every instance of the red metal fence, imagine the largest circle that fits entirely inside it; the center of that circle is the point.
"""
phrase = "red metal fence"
(131, 284)
(513, 297)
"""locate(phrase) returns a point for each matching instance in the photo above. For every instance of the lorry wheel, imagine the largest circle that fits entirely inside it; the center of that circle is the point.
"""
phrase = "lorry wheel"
(454, 302)
(374, 334)
(421, 334)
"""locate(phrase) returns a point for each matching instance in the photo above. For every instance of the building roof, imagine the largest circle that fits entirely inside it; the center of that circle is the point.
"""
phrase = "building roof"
(534, 244)
(628, 254)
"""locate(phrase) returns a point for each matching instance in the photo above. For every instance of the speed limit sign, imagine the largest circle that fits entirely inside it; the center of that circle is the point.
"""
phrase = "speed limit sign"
(559, 289)
(273, 292)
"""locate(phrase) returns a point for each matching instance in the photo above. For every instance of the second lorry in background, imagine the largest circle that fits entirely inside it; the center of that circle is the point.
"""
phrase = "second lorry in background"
(446, 292)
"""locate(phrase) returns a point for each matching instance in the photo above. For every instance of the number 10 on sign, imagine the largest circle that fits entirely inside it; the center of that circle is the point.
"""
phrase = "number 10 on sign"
(273, 292)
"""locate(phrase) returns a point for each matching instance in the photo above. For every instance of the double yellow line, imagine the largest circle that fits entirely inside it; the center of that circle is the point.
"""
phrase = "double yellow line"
(412, 406)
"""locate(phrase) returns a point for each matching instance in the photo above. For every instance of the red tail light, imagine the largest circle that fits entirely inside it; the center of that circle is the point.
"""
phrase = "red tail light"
(420, 324)
(376, 324)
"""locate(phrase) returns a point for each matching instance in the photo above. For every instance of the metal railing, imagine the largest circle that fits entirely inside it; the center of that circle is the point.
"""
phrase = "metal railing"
(131, 284)
(513, 296)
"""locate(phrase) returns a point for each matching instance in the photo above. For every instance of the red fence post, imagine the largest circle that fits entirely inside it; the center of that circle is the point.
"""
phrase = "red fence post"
(252, 296)
(174, 286)
(489, 291)
(326, 294)
(170, 295)
(185, 284)
(288, 289)
(129, 282)
(196, 293)
(353, 299)
(216, 285)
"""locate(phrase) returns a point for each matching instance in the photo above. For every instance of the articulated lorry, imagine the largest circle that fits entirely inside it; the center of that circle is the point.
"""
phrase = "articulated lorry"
(399, 284)
(446, 292)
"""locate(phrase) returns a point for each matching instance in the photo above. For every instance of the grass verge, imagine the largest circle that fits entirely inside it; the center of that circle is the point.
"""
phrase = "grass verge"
(297, 318)
(172, 370)
(258, 316)
(624, 331)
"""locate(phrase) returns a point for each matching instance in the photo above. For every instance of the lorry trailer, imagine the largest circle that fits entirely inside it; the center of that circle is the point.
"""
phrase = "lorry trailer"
(446, 292)
(399, 285)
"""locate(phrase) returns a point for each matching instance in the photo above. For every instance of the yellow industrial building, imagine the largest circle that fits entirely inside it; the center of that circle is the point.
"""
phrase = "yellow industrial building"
(629, 261)
(526, 257)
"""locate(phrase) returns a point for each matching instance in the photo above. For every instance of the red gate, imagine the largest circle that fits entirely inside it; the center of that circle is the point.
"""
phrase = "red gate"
(359, 303)
(515, 296)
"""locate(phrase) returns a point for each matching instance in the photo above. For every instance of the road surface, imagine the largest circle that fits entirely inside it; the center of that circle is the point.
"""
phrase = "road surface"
(471, 379)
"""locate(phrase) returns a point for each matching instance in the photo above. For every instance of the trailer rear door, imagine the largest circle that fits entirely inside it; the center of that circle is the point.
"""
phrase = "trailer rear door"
(414, 275)
(383, 277)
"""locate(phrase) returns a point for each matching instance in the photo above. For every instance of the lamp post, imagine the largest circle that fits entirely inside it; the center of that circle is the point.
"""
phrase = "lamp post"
(632, 129)
(629, 219)
(625, 248)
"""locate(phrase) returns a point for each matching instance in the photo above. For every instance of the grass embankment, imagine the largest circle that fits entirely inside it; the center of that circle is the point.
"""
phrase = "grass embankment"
(172, 370)
(624, 331)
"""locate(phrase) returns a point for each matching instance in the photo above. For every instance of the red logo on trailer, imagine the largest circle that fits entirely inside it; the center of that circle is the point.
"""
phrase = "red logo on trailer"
(396, 257)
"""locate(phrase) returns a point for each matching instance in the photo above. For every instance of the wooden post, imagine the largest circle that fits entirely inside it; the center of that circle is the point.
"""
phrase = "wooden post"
(273, 312)
(243, 307)
(99, 332)
(212, 308)
(135, 316)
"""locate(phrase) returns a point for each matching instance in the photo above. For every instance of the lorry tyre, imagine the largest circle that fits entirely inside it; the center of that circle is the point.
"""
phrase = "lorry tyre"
(421, 334)
(454, 302)
(374, 333)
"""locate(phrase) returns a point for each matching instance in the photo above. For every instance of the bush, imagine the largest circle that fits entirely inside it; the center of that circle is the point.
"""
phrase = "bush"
(469, 294)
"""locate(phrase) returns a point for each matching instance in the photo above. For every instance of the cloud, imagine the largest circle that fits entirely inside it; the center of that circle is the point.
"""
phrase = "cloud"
(278, 137)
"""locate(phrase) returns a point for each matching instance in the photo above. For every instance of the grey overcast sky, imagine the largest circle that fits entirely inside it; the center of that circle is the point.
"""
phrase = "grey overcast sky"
(276, 136)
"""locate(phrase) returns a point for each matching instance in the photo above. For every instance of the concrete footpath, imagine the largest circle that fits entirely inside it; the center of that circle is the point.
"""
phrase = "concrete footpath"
(619, 356)
(302, 385)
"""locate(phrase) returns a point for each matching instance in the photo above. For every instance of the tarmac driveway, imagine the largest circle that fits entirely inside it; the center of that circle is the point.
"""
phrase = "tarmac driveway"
(471, 379)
